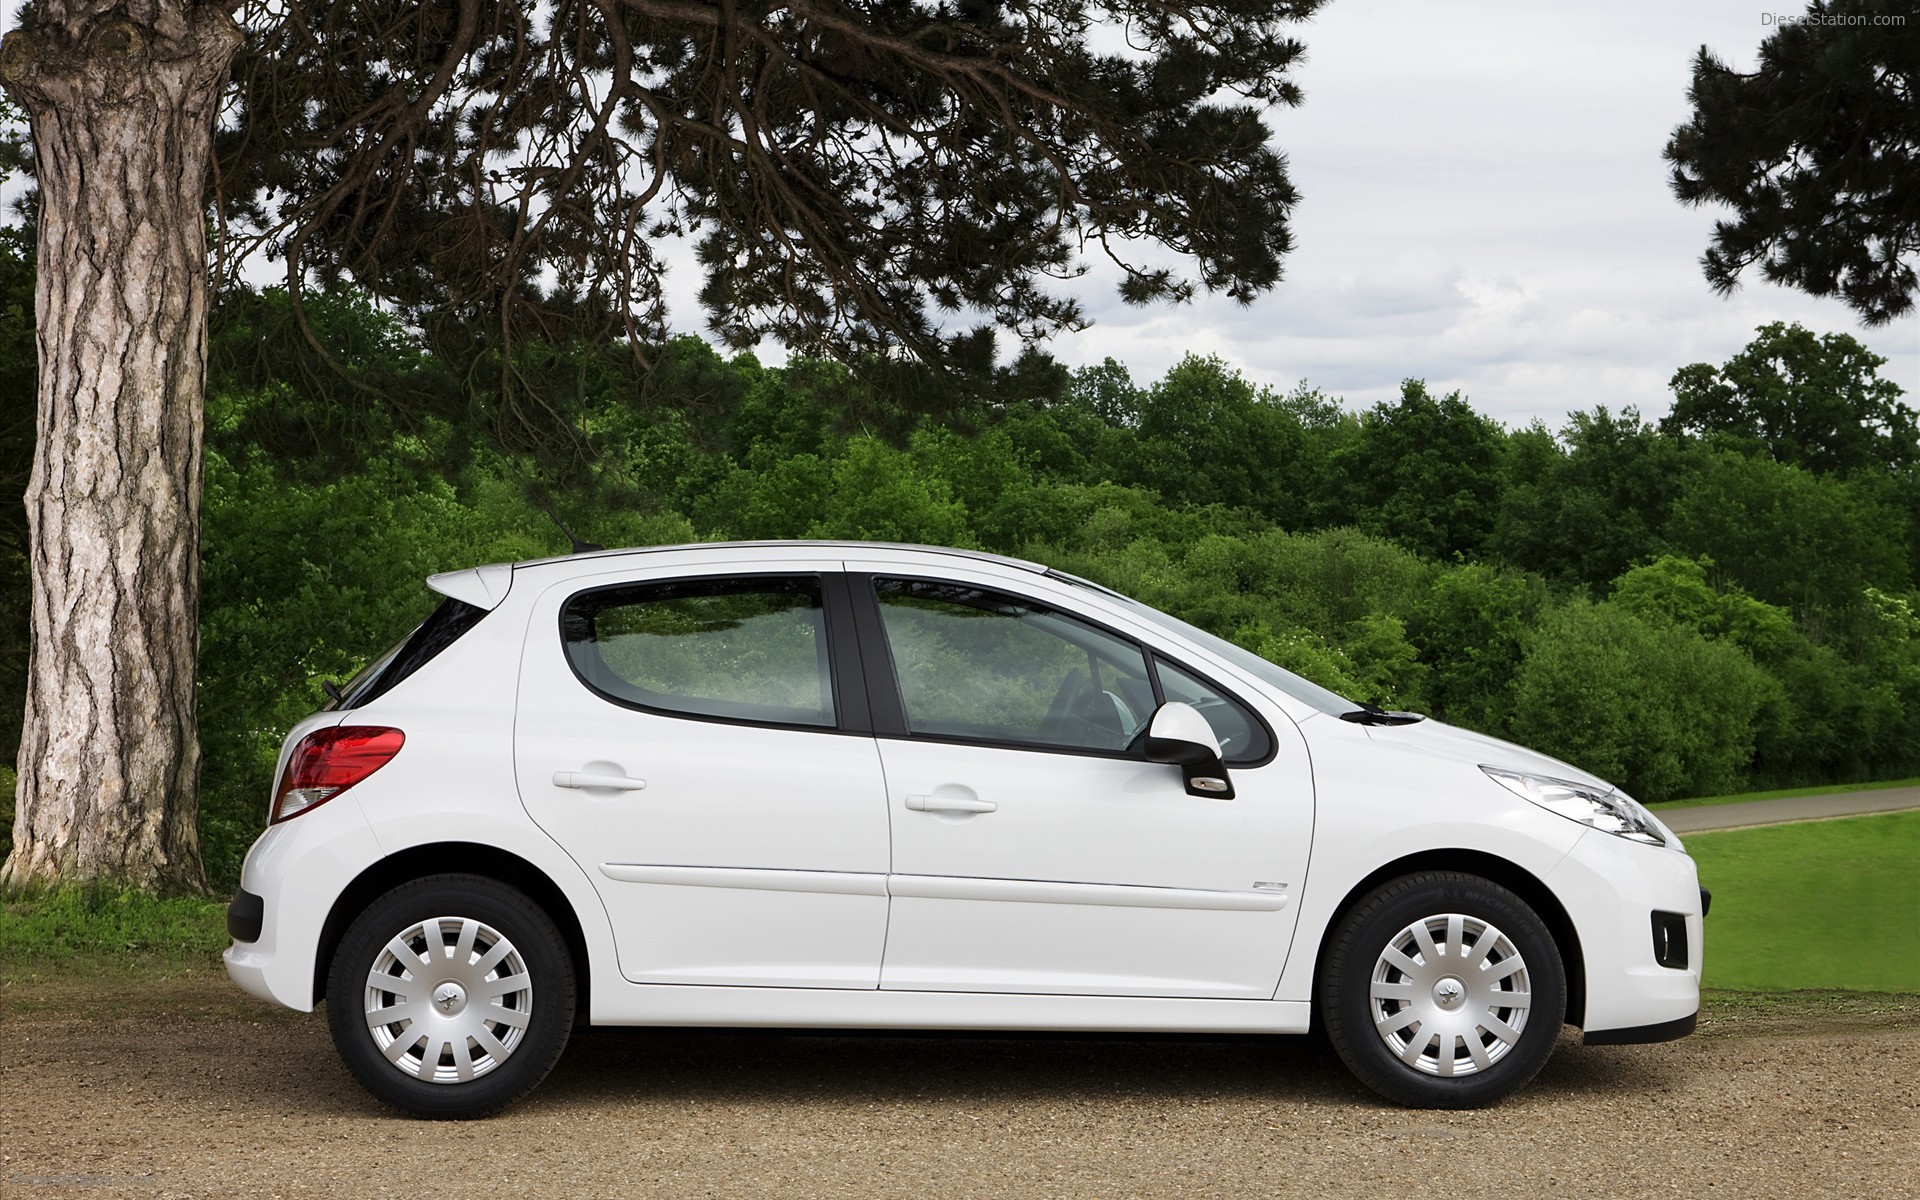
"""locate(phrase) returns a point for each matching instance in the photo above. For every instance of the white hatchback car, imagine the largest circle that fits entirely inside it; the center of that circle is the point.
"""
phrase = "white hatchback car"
(853, 785)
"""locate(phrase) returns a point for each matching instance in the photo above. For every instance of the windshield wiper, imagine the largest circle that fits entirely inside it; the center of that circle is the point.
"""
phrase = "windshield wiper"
(1373, 714)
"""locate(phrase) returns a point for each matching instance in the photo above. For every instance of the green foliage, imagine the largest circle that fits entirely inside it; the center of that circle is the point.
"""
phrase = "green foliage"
(303, 582)
(1822, 904)
(1328, 605)
(1813, 402)
(1675, 591)
(1208, 436)
(1585, 513)
(1306, 654)
(898, 163)
(1471, 628)
(1811, 543)
(322, 408)
(1693, 676)
(1657, 708)
(1815, 151)
(1758, 626)
(1425, 472)
(98, 920)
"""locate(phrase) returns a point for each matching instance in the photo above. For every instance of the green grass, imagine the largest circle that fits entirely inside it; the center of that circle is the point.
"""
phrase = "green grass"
(1820, 904)
(106, 927)
(1783, 793)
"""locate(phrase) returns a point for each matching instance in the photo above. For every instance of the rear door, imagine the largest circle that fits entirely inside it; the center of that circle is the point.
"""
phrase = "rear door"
(696, 745)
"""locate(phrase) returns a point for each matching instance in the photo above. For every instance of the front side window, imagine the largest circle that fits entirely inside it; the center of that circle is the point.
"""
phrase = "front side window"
(984, 666)
(736, 649)
(1243, 739)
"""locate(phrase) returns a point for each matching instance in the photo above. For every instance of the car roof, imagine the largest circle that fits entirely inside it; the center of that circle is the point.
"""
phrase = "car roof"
(782, 543)
(487, 585)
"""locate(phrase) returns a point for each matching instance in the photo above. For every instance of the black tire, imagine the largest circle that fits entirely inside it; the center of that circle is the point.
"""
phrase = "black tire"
(1471, 1014)
(491, 1054)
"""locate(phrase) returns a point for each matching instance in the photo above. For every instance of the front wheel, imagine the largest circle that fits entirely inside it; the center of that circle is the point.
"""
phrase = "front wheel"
(451, 996)
(1442, 990)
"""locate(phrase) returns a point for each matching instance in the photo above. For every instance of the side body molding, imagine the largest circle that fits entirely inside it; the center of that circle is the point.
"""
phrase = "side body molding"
(947, 887)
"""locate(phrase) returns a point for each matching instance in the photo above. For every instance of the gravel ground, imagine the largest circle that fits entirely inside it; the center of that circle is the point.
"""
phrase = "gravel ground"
(186, 1089)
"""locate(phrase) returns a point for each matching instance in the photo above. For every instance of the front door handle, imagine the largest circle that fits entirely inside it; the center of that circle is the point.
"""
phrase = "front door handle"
(594, 779)
(952, 804)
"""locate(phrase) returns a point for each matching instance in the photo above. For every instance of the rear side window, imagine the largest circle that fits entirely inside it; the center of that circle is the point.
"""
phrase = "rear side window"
(735, 649)
(440, 630)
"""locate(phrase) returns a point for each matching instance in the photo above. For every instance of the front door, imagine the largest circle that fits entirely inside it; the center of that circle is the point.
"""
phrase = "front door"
(687, 742)
(1035, 849)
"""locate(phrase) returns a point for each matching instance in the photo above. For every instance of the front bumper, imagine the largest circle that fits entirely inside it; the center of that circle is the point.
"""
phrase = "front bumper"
(1611, 888)
(1665, 1031)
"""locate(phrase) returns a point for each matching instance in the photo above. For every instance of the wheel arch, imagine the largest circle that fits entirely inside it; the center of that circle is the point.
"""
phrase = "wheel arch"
(1515, 878)
(463, 858)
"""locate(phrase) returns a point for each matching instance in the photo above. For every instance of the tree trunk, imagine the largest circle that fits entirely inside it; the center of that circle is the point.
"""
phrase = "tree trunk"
(122, 102)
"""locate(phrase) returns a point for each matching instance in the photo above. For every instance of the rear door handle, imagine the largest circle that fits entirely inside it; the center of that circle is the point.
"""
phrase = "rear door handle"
(952, 804)
(594, 779)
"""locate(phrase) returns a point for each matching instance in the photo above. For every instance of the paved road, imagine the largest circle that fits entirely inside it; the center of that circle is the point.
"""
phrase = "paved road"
(1791, 808)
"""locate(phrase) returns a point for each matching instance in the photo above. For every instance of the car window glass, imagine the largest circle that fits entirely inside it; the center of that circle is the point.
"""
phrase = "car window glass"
(749, 650)
(1304, 690)
(982, 665)
(1242, 738)
(442, 628)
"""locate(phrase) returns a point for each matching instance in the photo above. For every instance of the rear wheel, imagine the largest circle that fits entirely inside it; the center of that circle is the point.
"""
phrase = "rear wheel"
(1443, 990)
(451, 996)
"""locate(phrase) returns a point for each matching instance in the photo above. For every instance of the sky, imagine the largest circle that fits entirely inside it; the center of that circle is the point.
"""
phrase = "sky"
(1484, 206)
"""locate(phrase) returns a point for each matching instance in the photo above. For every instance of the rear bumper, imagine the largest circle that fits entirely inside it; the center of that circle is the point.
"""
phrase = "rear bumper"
(292, 876)
(245, 916)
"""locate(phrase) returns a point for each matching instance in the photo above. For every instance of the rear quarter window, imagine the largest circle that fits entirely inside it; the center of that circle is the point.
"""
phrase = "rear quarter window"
(447, 624)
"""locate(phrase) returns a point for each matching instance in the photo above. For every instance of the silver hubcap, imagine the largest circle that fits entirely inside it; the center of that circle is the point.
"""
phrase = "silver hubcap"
(1449, 995)
(448, 1000)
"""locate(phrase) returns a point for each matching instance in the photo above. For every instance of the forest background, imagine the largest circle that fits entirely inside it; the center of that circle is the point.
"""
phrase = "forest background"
(1724, 599)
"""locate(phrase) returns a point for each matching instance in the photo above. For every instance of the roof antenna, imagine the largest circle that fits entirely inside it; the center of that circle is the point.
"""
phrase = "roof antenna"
(578, 546)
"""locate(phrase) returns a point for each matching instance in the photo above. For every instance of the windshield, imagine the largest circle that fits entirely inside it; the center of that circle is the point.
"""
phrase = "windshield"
(1304, 690)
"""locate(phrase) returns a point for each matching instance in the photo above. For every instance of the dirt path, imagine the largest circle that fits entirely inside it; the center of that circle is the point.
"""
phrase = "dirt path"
(196, 1092)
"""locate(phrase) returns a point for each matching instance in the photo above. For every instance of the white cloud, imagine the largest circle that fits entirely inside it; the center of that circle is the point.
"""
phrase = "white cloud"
(1485, 206)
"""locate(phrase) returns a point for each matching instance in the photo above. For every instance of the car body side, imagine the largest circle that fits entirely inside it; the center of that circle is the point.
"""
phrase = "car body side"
(1386, 801)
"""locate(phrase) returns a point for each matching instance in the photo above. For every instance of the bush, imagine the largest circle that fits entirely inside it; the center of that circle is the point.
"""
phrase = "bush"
(97, 919)
(1659, 710)
(1471, 629)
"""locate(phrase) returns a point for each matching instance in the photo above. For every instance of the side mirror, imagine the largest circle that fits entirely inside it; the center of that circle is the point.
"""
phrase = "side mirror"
(1178, 734)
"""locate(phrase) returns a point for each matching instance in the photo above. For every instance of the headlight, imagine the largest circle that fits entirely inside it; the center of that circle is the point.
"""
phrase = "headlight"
(1608, 811)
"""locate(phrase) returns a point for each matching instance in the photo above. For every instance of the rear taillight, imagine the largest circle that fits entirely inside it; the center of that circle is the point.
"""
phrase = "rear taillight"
(328, 762)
